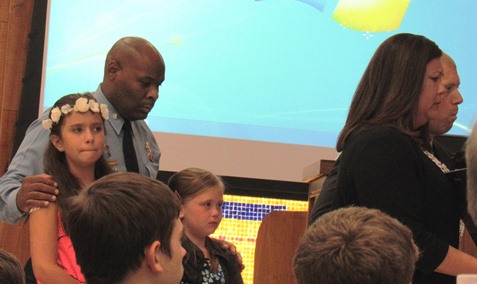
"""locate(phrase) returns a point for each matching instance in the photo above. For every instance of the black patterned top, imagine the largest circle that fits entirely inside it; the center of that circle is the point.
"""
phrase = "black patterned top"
(198, 269)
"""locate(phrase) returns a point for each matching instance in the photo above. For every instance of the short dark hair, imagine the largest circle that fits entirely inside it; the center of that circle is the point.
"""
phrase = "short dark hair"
(113, 220)
(11, 271)
(356, 245)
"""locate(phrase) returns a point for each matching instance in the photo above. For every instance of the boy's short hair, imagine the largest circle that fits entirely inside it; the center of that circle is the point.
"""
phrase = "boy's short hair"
(113, 220)
(11, 271)
(356, 245)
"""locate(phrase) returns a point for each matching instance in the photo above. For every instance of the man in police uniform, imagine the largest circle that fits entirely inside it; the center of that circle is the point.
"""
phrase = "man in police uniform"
(134, 70)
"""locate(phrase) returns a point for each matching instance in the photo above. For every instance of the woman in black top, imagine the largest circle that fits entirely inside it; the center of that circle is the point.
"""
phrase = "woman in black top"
(385, 162)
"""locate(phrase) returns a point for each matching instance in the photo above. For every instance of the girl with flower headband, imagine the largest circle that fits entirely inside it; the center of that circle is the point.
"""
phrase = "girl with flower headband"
(201, 194)
(74, 158)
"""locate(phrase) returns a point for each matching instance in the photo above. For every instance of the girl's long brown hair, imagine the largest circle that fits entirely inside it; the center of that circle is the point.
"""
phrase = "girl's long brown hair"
(55, 161)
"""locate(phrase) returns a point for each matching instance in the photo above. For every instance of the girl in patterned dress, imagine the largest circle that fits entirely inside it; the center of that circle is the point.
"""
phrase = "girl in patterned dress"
(201, 194)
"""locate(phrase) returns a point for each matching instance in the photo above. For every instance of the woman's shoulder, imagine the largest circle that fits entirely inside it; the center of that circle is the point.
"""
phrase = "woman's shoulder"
(381, 131)
(380, 143)
(380, 135)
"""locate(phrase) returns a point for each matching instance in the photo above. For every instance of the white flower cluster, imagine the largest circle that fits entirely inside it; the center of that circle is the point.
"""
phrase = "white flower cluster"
(81, 105)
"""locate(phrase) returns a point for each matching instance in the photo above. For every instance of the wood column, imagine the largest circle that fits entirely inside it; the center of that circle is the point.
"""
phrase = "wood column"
(15, 23)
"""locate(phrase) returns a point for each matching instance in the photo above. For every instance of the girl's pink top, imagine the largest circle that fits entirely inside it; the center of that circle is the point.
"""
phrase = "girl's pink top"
(66, 254)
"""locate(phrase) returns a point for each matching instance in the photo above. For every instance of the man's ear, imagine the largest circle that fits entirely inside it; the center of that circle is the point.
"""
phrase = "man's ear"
(153, 256)
(112, 69)
(57, 142)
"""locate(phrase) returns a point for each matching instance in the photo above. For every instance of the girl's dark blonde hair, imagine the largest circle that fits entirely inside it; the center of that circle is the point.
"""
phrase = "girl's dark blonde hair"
(192, 181)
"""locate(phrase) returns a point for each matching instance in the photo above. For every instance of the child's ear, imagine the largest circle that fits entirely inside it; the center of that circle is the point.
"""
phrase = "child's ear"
(181, 212)
(57, 142)
(153, 256)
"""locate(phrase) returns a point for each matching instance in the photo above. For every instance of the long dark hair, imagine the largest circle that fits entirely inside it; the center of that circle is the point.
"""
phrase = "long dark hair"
(55, 161)
(390, 88)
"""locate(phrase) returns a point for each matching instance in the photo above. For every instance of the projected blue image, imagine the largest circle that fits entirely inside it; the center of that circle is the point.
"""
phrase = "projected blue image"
(270, 70)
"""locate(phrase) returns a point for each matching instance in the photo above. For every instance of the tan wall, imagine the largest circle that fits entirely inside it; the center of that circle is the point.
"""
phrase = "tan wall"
(15, 21)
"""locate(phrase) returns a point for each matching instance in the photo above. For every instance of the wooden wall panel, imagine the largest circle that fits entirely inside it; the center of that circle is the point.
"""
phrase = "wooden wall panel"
(15, 17)
(19, 23)
(15, 22)
(3, 52)
(8, 119)
(16, 240)
(4, 10)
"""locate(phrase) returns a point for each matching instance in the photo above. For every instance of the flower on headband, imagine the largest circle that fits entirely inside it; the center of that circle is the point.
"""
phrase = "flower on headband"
(55, 115)
(66, 109)
(47, 123)
(81, 105)
(104, 111)
(93, 106)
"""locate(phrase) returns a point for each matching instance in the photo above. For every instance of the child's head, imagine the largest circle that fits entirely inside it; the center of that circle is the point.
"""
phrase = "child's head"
(356, 245)
(201, 193)
(69, 104)
(11, 271)
(124, 224)
(76, 123)
(77, 139)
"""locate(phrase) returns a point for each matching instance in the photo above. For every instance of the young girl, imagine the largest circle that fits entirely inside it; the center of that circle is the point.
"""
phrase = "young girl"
(73, 158)
(201, 194)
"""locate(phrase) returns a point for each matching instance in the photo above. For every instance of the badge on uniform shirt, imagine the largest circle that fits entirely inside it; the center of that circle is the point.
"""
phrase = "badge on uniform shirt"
(149, 152)
(113, 164)
(107, 152)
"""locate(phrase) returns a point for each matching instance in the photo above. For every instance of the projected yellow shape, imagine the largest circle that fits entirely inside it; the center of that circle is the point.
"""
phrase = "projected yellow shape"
(371, 15)
(176, 40)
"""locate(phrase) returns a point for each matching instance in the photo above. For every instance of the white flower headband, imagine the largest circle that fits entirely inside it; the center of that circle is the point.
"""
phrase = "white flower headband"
(81, 105)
